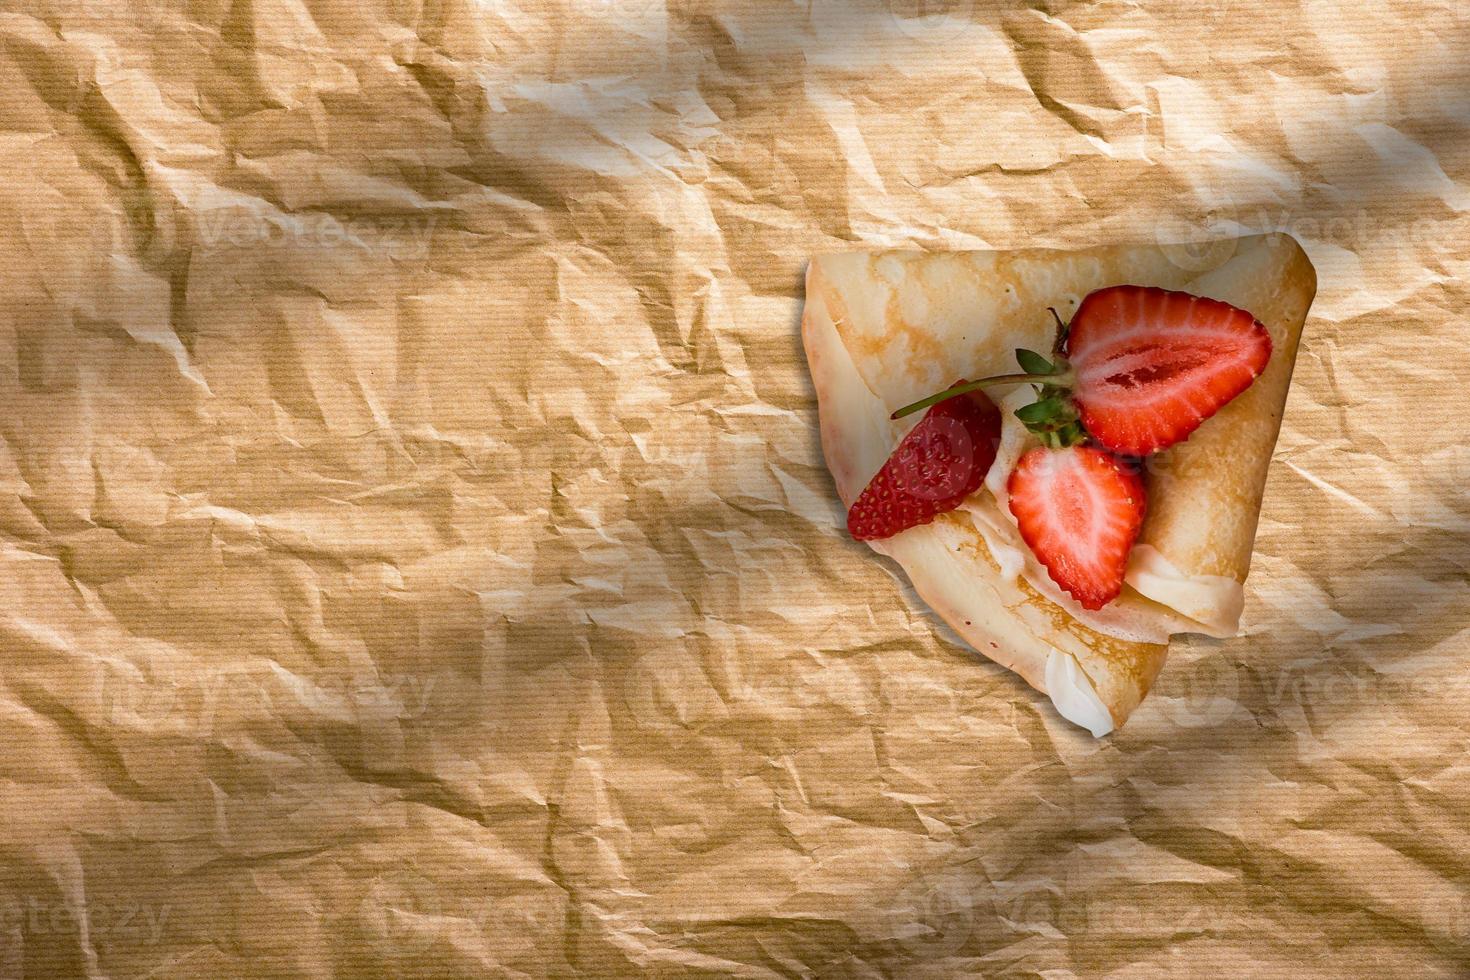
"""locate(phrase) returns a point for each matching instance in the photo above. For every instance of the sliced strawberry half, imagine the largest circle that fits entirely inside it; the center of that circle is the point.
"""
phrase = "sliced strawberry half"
(1150, 365)
(1079, 511)
(939, 463)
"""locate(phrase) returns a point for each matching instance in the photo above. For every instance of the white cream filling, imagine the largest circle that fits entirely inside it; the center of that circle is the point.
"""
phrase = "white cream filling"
(1215, 602)
(1073, 695)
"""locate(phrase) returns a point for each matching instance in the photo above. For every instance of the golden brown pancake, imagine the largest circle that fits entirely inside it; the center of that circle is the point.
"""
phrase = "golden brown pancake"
(882, 329)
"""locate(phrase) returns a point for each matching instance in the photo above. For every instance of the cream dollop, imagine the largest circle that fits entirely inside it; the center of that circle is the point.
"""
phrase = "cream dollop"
(1214, 602)
(1074, 696)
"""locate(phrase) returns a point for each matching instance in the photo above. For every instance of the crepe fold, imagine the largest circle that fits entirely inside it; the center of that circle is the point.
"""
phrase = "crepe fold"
(882, 329)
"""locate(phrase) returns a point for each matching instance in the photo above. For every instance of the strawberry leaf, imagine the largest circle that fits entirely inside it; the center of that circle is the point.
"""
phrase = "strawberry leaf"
(1042, 411)
(1033, 363)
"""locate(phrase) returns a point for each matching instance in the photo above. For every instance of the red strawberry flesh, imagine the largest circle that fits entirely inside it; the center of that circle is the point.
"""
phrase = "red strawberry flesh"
(1079, 510)
(939, 463)
(1152, 364)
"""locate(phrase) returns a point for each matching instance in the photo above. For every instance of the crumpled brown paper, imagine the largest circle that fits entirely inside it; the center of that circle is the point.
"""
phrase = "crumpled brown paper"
(418, 558)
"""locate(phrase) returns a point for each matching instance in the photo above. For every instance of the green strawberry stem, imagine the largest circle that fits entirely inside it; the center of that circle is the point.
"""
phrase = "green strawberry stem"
(1062, 379)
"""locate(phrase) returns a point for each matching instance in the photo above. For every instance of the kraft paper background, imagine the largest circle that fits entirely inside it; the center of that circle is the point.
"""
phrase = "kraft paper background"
(417, 558)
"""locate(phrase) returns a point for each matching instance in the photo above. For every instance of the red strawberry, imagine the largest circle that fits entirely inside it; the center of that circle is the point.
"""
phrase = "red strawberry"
(1079, 511)
(939, 463)
(1139, 369)
(1151, 364)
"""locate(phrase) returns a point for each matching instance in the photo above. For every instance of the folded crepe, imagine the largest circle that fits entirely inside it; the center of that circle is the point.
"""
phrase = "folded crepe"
(883, 329)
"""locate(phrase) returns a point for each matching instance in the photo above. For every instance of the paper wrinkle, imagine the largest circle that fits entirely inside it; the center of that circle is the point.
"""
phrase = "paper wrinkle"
(419, 559)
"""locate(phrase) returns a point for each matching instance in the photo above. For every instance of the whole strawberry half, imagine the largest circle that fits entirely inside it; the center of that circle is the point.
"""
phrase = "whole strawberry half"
(939, 463)
(1150, 365)
(1079, 510)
